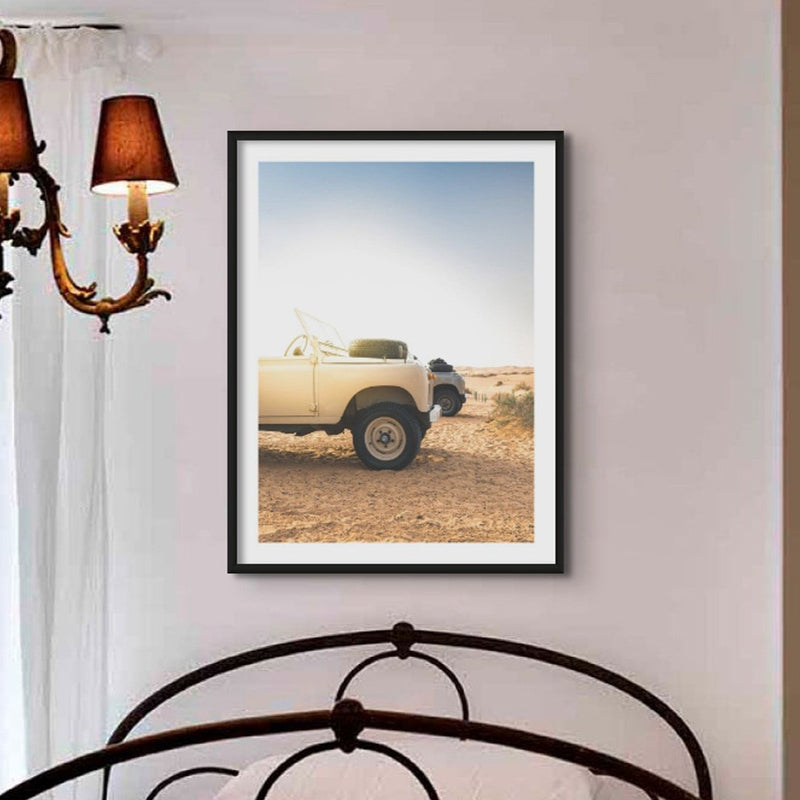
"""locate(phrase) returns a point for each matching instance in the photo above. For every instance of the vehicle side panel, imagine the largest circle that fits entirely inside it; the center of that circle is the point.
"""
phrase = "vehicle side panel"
(286, 388)
(339, 380)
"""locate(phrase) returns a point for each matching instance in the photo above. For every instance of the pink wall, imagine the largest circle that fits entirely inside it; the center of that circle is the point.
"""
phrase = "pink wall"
(673, 364)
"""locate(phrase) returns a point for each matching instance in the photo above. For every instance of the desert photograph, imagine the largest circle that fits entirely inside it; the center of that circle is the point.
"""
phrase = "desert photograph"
(472, 480)
(434, 260)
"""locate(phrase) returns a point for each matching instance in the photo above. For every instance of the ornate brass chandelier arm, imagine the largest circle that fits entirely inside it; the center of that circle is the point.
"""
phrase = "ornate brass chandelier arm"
(31, 239)
(131, 157)
(140, 293)
(8, 63)
(5, 277)
(138, 241)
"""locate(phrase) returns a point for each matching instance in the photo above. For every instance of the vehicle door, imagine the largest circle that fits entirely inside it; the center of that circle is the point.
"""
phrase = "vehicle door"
(286, 387)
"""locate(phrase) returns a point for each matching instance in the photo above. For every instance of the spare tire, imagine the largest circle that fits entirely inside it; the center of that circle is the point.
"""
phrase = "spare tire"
(377, 348)
(440, 365)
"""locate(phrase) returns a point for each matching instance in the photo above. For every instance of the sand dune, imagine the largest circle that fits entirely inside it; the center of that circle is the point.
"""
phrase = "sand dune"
(470, 482)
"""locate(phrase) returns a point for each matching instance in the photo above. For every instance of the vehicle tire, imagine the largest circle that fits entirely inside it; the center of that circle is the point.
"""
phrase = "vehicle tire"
(377, 348)
(447, 397)
(440, 365)
(386, 436)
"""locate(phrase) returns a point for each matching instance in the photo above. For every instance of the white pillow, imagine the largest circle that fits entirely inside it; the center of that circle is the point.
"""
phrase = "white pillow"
(611, 789)
(458, 771)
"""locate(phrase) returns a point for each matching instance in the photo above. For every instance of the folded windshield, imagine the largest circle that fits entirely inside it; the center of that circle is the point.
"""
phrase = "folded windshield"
(327, 337)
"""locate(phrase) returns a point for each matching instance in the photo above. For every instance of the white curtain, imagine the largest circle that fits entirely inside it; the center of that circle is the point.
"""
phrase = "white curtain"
(12, 731)
(54, 494)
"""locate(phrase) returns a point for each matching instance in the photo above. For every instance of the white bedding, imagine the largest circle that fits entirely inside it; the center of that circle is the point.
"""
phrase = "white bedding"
(612, 789)
(458, 771)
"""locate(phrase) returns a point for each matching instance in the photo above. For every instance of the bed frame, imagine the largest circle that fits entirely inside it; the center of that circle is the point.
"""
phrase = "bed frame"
(348, 719)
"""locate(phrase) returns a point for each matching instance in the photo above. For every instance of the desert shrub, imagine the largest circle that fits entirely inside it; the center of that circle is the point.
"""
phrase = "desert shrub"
(499, 383)
(522, 387)
(513, 409)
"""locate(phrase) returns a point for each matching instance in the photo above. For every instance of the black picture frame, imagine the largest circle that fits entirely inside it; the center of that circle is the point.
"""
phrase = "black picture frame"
(555, 564)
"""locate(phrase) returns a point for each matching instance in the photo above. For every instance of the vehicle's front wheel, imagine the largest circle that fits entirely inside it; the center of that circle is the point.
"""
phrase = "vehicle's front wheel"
(448, 399)
(386, 436)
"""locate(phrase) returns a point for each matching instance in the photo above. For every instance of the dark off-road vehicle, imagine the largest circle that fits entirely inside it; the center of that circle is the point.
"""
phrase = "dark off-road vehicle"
(449, 388)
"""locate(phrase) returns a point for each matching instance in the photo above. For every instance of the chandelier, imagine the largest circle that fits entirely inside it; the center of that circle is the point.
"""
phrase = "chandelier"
(131, 158)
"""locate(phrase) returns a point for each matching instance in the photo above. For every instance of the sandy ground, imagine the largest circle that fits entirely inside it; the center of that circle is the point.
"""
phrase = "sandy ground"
(470, 481)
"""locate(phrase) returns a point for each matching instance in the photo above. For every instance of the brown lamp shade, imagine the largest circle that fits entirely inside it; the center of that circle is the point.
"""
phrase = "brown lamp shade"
(17, 145)
(131, 147)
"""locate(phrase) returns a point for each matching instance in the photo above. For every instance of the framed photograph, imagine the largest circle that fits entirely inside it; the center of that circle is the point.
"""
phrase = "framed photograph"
(395, 351)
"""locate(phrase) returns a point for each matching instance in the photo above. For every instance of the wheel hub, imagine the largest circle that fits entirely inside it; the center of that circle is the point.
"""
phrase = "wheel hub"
(385, 438)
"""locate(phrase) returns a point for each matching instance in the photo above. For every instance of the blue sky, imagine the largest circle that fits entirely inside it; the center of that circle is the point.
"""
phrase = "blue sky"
(439, 254)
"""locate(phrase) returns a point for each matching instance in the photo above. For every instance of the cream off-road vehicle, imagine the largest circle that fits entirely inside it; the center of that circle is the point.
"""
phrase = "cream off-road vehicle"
(372, 388)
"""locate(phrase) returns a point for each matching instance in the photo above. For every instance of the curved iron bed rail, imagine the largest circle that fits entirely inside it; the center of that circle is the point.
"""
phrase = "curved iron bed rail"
(443, 668)
(187, 773)
(404, 636)
(361, 720)
(375, 747)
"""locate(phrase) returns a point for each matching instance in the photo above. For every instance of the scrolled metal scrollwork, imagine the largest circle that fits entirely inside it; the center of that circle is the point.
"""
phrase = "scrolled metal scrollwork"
(31, 239)
(8, 62)
(140, 240)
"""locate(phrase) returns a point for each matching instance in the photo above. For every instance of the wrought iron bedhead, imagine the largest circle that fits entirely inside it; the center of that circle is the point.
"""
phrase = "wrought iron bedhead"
(348, 719)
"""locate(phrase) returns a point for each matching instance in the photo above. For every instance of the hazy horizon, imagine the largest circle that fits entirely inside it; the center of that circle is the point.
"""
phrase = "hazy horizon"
(437, 254)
